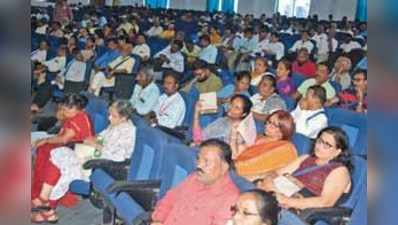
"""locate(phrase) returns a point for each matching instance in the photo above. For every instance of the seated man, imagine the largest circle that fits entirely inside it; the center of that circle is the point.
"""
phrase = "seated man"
(341, 72)
(111, 54)
(208, 52)
(206, 196)
(121, 65)
(171, 57)
(40, 54)
(146, 92)
(170, 109)
(56, 64)
(205, 81)
(309, 115)
(156, 30)
(191, 52)
(75, 71)
(303, 65)
(348, 45)
(142, 49)
(321, 78)
(355, 98)
(42, 89)
(304, 42)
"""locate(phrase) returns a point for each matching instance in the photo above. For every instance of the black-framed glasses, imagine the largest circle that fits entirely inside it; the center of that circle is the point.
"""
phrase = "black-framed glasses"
(325, 144)
(235, 210)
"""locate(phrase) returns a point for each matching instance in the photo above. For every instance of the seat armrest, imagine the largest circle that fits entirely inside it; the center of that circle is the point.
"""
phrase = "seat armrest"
(126, 186)
(333, 215)
(104, 163)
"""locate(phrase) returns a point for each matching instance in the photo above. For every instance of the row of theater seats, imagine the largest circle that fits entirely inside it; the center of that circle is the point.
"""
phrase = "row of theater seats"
(160, 161)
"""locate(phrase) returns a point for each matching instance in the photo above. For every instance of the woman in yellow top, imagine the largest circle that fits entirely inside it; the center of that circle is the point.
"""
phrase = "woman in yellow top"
(169, 33)
(271, 151)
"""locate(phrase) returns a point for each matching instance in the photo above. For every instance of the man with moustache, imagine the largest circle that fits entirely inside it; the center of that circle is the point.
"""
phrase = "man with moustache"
(206, 196)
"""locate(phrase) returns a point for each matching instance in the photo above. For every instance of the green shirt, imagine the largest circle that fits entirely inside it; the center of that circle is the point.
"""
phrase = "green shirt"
(212, 84)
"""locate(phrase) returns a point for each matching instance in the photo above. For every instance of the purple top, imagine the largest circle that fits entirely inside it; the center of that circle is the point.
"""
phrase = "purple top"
(286, 87)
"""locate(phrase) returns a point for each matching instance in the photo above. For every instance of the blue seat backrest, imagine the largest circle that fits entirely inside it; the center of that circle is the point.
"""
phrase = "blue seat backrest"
(297, 79)
(148, 154)
(354, 124)
(290, 102)
(98, 111)
(302, 143)
(358, 178)
(242, 183)
(179, 163)
(190, 99)
(337, 87)
(137, 63)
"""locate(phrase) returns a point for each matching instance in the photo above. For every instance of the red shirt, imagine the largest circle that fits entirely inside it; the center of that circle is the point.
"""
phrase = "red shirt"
(194, 203)
(308, 69)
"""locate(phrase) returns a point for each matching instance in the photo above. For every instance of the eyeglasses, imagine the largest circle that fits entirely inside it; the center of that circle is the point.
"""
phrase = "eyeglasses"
(235, 210)
(325, 144)
(274, 124)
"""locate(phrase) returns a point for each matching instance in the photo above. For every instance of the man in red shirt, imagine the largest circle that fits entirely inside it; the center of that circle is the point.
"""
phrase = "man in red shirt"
(303, 65)
(206, 196)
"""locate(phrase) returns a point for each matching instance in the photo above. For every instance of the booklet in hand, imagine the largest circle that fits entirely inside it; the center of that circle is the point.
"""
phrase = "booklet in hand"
(209, 102)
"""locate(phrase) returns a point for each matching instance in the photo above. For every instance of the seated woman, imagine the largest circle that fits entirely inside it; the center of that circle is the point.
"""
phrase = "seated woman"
(76, 127)
(119, 137)
(284, 81)
(323, 176)
(255, 207)
(271, 151)
(237, 128)
(241, 86)
(267, 99)
(260, 70)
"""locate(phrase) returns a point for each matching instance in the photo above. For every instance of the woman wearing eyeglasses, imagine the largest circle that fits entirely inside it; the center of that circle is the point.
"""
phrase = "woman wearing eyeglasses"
(323, 177)
(255, 207)
(271, 151)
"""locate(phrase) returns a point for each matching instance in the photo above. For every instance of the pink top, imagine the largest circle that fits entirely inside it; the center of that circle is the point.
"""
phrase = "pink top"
(308, 69)
(194, 203)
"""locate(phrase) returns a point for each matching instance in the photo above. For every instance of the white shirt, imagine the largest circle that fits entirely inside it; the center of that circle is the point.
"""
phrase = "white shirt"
(176, 59)
(38, 55)
(261, 46)
(302, 44)
(41, 30)
(75, 71)
(122, 63)
(277, 49)
(155, 31)
(119, 141)
(267, 106)
(307, 123)
(145, 100)
(170, 110)
(142, 50)
(55, 64)
(350, 46)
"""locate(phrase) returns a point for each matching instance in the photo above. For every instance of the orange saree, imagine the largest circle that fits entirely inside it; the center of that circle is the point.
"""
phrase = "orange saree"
(264, 157)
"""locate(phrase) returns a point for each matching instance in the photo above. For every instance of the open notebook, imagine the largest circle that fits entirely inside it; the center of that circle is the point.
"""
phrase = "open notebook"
(285, 186)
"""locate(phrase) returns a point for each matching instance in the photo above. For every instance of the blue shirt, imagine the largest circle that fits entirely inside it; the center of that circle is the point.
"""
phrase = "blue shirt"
(363, 64)
(209, 54)
(106, 58)
(145, 100)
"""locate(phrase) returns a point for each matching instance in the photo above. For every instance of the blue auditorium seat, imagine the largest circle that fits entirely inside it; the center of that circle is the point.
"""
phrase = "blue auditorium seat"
(354, 124)
(302, 143)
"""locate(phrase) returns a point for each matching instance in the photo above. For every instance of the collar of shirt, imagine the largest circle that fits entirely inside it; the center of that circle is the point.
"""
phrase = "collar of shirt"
(216, 188)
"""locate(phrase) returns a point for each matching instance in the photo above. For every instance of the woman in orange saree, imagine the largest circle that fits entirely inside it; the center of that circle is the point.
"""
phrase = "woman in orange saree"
(271, 151)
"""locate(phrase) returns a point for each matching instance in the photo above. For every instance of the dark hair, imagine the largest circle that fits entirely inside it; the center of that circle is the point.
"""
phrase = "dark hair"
(205, 37)
(124, 108)
(171, 73)
(200, 64)
(319, 92)
(243, 74)
(225, 150)
(276, 34)
(361, 71)
(179, 43)
(75, 100)
(286, 123)
(324, 64)
(247, 103)
(342, 142)
(287, 63)
(267, 205)
(270, 78)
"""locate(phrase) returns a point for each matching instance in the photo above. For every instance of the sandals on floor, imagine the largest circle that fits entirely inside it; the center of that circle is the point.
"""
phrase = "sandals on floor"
(45, 217)
(43, 205)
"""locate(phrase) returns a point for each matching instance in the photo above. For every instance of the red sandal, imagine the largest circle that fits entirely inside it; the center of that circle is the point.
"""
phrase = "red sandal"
(44, 217)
